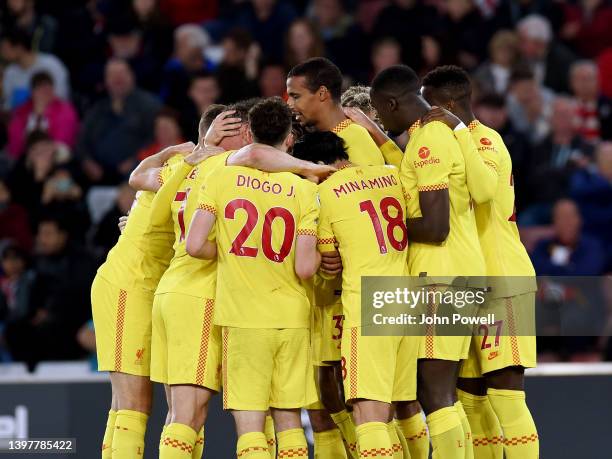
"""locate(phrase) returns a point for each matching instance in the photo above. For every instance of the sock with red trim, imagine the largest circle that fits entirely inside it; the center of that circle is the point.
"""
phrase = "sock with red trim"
(252, 445)
(270, 435)
(198, 448)
(107, 441)
(467, 431)
(414, 430)
(329, 444)
(292, 443)
(447, 436)
(521, 439)
(486, 431)
(128, 438)
(178, 442)
(396, 445)
(373, 440)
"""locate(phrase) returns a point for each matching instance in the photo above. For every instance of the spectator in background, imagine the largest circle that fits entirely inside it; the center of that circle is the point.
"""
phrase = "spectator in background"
(155, 28)
(529, 105)
(60, 298)
(593, 110)
(303, 42)
(569, 252)
(552, 163)
(203, 92)
(16, 285)
(494, 75)
(587, 26)
(44, 111)
(407, 21)
(341, 35)
(190, 42)
(272, 80)
(463, 35)
(385, 53)
(126, 42)
(32, 171)
(267, 20)
(42, 28)
(23, 64)
(167, 132)
(550, 61)
(116, 127)
(592, 189)
(107, 232)
(237, 72)
(14, 223)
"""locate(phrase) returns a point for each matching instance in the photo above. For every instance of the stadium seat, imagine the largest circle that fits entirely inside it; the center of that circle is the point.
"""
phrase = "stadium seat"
(63, 370)
(13, 369)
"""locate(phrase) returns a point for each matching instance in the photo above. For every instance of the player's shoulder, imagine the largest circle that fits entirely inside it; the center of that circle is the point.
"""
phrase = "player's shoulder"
(435, 130)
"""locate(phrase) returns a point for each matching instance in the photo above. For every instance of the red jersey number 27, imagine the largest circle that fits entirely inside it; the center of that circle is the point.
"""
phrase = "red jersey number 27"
(238, 247)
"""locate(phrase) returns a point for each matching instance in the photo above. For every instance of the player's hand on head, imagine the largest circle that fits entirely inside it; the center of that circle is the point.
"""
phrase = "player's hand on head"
(319, 172)
(200, 153)
(442, 115)
(331, 263)
(224, 125)
(358, 116)
(122, 222)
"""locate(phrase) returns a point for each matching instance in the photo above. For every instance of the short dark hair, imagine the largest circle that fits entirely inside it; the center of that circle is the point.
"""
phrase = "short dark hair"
(270, 121)
(320, 146)
(451, 81)
(12, 250)
(40, 78)
(318, 72)
(521, 72)
(396, 80)
(208, 117)
(492, 100)
(18, 37)
(35, 137)
(241, 37)
(242, 107)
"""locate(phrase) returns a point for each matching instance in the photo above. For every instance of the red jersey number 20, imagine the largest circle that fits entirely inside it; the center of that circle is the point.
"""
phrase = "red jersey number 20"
(238, 247)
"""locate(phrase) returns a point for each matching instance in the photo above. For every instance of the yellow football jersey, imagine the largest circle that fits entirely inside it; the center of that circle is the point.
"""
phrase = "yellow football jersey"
(502, 248)
(363, 210)
(433, 161)
(361, 149)
(259, 216)
(143, 250)
(186, 274)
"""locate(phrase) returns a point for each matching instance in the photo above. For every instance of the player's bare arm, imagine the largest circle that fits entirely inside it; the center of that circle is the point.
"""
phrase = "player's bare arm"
(197, 243)
(359, 117)
(307, 257)
(481, 176)
(434, 225)
(270, 159)
(145, 176)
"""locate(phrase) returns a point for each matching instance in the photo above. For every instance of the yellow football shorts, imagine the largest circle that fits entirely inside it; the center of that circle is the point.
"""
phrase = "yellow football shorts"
(381, 368)
(265, 368)
(186, 345)
(331, 333)
(499, 346)
(122, 321)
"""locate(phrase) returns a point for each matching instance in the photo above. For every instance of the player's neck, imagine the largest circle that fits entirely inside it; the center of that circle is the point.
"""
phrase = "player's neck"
(330, 118)
(467, 116)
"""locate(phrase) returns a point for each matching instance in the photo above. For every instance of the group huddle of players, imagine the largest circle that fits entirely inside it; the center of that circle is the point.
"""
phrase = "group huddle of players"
(239, 270)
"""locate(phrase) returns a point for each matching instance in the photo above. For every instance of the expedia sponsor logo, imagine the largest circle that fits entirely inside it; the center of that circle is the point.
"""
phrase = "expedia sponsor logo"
(485, 141)
(424, 152)
(426, 162)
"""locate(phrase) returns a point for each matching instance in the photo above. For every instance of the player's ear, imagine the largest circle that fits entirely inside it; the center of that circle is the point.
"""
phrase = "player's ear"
(392, 104)
(323, 93)
(248, 135)
(289, 141)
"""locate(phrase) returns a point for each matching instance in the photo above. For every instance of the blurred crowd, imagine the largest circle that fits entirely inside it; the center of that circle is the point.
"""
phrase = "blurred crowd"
(91, 87)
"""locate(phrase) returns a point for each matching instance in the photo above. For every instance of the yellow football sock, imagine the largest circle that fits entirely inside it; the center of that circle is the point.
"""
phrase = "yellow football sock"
(373, 440)
(447, 436)
(178, 442)
(270, 435)
(198, 448)
(414, 430)
(486, 431)
(396, 445)
(252, 445)
(520, 433)
(402, 440)
(161, 437)
(292, 443)
(467, 431)
(107, 441)
(329, 445)
(344, 421)
(128, 438)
